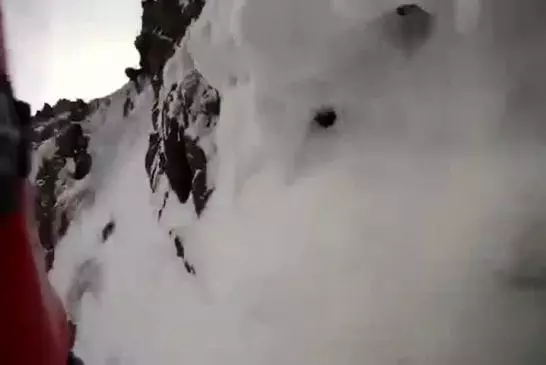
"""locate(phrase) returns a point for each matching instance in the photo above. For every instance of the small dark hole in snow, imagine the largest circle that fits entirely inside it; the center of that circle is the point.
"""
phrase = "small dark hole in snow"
(407, 9)
(108, 230)
(325, 117)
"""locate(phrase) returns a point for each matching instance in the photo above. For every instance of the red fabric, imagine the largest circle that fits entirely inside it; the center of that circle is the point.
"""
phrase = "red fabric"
(33, 324)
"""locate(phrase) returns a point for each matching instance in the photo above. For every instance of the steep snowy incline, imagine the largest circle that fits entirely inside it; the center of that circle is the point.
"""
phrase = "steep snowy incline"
(132, 299)
(72, 143)
(370, 197)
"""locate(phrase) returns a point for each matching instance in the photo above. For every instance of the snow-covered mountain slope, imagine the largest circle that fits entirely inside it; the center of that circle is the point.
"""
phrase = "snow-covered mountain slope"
(369, 189)
(72, 141)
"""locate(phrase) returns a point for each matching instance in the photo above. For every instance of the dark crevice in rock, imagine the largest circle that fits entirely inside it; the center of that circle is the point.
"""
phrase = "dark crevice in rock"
(178, 169)
(128, 106)
(198, 164)
(153, 150)
(163, 205)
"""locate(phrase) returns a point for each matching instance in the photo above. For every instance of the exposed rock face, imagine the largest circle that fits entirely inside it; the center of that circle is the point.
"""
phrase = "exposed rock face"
(63, 148)
(186, 118)
(63, 160)
(181, 143)
(182, 106)
(164, 23)
(184, 114)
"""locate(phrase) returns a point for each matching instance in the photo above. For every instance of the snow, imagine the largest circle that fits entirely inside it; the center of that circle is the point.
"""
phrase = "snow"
(387, 239)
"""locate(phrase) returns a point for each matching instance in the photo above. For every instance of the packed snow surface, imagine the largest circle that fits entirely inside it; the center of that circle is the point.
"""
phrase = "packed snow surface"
(385, 239)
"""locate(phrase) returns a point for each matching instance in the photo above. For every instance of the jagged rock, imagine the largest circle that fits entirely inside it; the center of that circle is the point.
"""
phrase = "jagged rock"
(79, 111)
(62, 106)
(72, 141)
(132, 73)
(164, 23)
(45, 113)
(46, 201)
(186, 116)
(181, 142)
(63, 132)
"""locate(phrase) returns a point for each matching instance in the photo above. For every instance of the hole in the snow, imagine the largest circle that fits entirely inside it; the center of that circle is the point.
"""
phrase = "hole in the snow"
(408, 9)
(108, 230)
(325, 117)
(411, 28)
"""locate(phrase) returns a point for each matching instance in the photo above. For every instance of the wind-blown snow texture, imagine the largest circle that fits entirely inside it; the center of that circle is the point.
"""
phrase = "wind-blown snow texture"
(411, 231)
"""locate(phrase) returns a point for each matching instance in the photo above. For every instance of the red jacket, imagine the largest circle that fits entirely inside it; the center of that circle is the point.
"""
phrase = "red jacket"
(34, 328)
(33, 324)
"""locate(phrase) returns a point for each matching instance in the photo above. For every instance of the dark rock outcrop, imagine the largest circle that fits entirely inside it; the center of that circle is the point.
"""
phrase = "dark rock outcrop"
(133, 74)
(164, 24)
(50, 119)
(60, 127)
(181, 143)
(187, 115)
(184, 113)
(135, 77)
(46, 201)
(107, 231)
(45, 113)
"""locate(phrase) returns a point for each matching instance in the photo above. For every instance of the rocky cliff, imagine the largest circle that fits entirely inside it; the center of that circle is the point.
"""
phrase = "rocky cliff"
(184, 112)
(63, 158)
